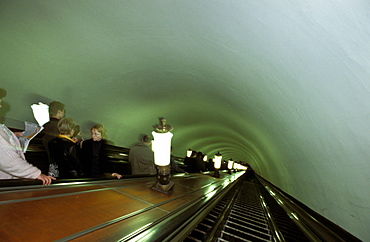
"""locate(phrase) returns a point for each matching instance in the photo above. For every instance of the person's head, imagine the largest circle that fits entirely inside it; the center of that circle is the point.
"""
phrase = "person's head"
(2, 95)
(66, 126)
(98, 132)
(146, 139)
(56, 110)
(194, 153)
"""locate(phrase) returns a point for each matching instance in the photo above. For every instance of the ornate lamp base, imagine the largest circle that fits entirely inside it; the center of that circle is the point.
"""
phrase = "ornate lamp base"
(216, 173)
(163, 183)
(167, 189)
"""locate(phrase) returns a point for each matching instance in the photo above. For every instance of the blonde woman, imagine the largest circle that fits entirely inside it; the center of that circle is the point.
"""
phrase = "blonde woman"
(94, 155)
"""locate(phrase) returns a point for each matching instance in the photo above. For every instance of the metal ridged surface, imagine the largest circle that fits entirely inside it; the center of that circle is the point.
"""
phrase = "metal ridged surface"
(245, 218)
(247, 221)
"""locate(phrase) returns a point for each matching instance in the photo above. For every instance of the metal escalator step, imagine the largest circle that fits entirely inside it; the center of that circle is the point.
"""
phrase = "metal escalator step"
(190, 238)
(231, 235)
(206, 226)
(248, 223)
(249, 214)
(225, 236)
(208, 221)
(243, 224)
(249, 229)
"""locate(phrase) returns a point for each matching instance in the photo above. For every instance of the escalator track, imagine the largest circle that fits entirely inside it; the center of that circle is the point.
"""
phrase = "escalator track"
(244, 215)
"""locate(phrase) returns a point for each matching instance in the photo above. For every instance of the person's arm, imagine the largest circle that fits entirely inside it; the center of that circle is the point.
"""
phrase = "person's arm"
(46, 180)
(118, 176)
(106, 166)
(13, 163)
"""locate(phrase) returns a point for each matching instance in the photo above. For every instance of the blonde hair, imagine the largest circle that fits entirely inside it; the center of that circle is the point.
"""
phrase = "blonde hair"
(66, 125)
(101, 129)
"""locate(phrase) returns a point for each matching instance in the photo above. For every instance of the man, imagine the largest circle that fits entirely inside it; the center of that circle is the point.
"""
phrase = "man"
(50, 131)
(141, 157)
(13, 164)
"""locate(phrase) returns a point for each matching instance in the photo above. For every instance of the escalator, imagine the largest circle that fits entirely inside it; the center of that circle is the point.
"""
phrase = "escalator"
(244, 216)
(234, 207)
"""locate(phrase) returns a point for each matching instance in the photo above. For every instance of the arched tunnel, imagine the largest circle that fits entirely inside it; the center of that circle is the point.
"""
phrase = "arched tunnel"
(281, 85)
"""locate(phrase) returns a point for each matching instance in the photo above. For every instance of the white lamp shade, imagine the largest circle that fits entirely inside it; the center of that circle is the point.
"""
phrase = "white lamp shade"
(217, 161)
(161, 146)
(41, 113)
(189, 152)
(230, 164)
(205, 158)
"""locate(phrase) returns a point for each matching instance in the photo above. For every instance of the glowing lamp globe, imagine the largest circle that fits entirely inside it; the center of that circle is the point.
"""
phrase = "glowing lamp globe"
(161, 146)
(217, 160)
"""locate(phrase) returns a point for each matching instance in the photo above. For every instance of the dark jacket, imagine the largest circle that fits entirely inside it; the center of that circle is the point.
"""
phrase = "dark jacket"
(50, 132)
(94, 159)
(141, 158)
(174, 166)
(63, 153)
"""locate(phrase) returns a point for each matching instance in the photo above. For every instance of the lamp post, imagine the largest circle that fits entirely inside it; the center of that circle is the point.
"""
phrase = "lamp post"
(230, 165)
(205, 158)
(217, 163)
(161, 146)
(189, 152)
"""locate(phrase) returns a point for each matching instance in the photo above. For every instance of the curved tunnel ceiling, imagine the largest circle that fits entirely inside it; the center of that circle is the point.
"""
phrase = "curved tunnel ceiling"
(282, 85)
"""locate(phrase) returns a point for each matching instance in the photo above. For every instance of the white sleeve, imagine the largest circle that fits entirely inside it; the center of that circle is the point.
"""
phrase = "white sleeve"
(13, 164)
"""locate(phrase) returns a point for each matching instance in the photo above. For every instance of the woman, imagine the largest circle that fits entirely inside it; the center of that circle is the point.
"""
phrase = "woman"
(93, 154)
(63, 150)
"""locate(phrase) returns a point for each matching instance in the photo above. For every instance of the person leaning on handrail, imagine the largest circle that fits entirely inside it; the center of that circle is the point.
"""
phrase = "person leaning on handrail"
(13, 164)
(94, 154)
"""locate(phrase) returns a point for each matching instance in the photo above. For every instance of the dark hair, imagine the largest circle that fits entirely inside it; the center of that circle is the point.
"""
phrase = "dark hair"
(54, 107)
(146, 139)
(2, 93)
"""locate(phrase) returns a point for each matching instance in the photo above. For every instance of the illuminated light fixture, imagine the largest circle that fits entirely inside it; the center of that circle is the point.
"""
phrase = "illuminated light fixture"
(161, 146)
(217, 163)
(234, 166)
(230, 165)
(238, 166)
(41, 113)
(189, 152)
(205, 158)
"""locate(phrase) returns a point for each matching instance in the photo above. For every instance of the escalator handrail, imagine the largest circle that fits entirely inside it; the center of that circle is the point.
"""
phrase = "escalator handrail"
(178, 224)
(312, 228)
(275, 231)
